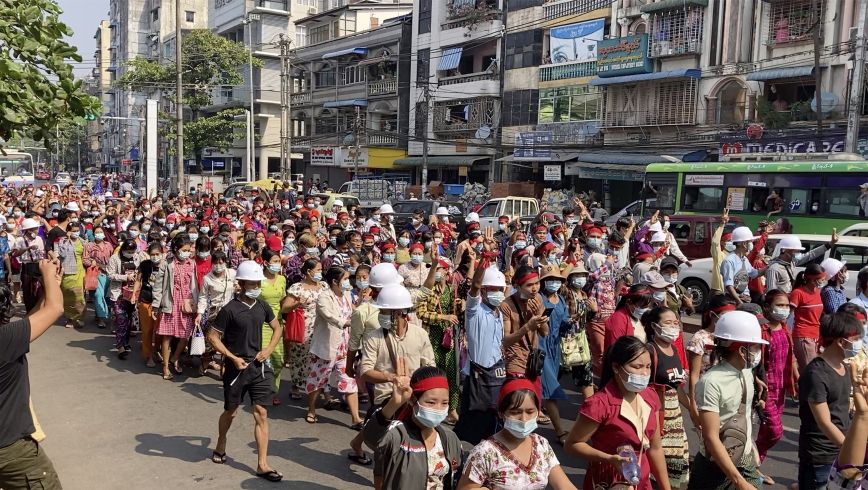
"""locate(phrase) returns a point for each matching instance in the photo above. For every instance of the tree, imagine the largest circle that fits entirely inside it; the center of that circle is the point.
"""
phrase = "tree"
(37, 85)
(209, 62)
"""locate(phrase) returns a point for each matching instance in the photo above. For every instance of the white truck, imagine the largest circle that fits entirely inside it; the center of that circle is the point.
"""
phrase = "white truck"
(373, 193)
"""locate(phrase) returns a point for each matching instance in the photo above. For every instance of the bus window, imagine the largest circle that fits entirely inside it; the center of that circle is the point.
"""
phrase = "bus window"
(797, 201)
(665, 197)
(756, 197)
(856, 257)
(680, 230)
(703, 198)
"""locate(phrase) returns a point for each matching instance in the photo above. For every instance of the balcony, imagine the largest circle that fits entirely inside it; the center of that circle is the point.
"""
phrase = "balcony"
(676, 32)
(300, 99)
(383, 87)
(564, 71)
(629, 119)
(382, 140)
(469, 13)
(470, 77)
(562, 8)
(462, 118)
(300, 141)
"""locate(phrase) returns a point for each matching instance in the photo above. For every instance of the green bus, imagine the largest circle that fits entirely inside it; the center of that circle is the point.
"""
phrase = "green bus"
(813, 196)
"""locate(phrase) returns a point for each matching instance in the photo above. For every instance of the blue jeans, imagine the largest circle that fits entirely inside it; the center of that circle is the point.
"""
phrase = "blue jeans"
(814, 476)
(100, 306)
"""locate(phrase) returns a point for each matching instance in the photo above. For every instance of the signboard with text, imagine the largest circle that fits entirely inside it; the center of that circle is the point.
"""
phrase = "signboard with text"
(533, 146)
(552, 172)
(576, 42)
(787, 141)
(323, 156)
(626, 55)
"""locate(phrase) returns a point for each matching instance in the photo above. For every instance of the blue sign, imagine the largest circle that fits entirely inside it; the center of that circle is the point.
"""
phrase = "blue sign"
(134, 153)
(211, 165)
(626, 55)
(533, 146)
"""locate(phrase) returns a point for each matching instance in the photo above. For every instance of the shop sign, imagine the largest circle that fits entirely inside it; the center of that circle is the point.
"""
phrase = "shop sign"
(348, 157)
(786, 141)
(552, 172)
(576, 42)
(323, 156)
(533, 146)
(626, 55)
(703, 180)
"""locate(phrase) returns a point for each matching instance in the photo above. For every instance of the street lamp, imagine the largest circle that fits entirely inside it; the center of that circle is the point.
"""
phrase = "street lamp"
(248, 19)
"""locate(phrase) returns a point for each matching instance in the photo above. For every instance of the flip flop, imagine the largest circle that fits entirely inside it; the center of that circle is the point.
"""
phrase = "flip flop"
(361, 459)
(310, 419)
(272, 476)
(218, 458)
(295, 396)
(358, 427)
(168, 377)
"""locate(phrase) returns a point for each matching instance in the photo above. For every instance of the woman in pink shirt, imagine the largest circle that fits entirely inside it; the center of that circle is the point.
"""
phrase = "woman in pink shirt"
(625, 320)
(97, 253)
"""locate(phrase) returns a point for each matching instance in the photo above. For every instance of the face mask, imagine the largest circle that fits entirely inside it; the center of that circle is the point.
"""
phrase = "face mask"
(194, 237)
(310, 205)
(636, 382)
(478, 247)
(429, 417)
(501, 227)
(853, 348)
(638, 312)
(128, 255)
(749, 246)
(170, 226)
(780, 314)
(659, 295)
(665, 225)
(579, 282)
(595, 243)
(385, 321)
(219, 269)
(362, 284)
(183, 255)
(138, 217)
(438, 241)
(416, 222)
(205, 230)
(333, 241)
(274, 268)
(272, 228)
(134, 234)
(161, 221)
(667, 334)
(752, 360)
(317, 277)
(445, 219)
(388, 257)
(403, 241)
(74, 236)
(520, 245)
(438, 276)
(156, 259)
(312, 251)
(391, 218)
(822, 284)
(375, 217)
(345, 285)
(846, 276)
(253, 293)
(146, 228)
(553, 286)
(729, 247)
(203, 255)
(519, 429)
(553, 259)
(416, 259)
(351, 270)
(495, 298)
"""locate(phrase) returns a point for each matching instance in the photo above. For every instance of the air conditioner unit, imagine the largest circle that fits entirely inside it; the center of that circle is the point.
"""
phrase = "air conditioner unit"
(311, 11)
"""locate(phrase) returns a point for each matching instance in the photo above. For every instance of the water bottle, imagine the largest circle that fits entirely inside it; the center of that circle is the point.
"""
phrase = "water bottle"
(630, 469)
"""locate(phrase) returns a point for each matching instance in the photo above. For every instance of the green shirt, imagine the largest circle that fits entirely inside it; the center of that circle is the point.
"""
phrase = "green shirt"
(719, 391)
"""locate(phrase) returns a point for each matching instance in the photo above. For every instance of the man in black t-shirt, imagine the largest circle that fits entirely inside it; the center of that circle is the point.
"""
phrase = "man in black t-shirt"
(23, 464)
(824, 400)
(237, 334)
(59, 230)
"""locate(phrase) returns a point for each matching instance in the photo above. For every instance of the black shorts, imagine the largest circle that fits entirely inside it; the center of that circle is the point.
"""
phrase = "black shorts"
(256, 381)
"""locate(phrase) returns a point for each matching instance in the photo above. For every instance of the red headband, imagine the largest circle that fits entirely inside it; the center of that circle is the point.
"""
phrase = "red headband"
(430, 384)
(530, 276)
(442, 263)
(723, 309)
(518, 384)
(417, 246)
(860, 316)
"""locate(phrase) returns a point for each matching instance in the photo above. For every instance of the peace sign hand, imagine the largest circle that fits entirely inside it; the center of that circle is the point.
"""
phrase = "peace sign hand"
(401, 391)
(859, 380)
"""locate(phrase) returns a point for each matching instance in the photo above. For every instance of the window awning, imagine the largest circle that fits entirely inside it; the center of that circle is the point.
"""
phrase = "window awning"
(441, 161)
(621, 158)
(346, 103)
(557, 156)
(778, 73)
(671, 5)
(345, 52)
(450, 59)
(659, 75)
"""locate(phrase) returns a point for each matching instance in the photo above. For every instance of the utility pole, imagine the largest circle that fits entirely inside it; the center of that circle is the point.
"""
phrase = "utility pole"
(854, 111)
(427, 94)
(179, 102)
(285, 94)
(251, 129)
(818, 78)
(356, 136)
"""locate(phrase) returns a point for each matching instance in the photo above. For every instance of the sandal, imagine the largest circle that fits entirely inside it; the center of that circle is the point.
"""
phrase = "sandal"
(311, 418)
(295, 395)
(332, 404)
(123, 354)
(544, 420)
(562, 438)
(176, 366)
(218, 458)
(272, 476)
(361, 459)
(168, 377)
(358, 426)
(766, 479)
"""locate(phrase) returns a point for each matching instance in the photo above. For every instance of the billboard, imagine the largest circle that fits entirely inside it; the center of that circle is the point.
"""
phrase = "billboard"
(323, 156)
(576, 42)
(626, 55)
(533, 146)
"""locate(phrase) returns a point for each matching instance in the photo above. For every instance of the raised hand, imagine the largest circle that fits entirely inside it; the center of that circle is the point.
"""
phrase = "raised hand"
(724, 218)
(859, 380)
(401, 391)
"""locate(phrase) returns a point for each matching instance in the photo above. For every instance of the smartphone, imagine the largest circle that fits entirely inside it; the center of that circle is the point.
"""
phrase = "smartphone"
(548, 312)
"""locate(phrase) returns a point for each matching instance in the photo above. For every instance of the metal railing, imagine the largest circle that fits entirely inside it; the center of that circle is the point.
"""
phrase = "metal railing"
(302, 98)
(383, 87)
(470, 77)
(563, 71)
(472, 20)
(561, 8)
(626, 119)
(382, 140)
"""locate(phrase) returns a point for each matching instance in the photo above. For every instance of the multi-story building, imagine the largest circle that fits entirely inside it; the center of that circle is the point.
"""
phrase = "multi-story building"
(351, 94)
(99, 87)
(456, 88)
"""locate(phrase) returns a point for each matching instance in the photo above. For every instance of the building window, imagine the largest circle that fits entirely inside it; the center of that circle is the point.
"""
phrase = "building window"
(345, 25)
(792, 20)
(524, 49)
(424, 16)
(667, 103)
(676, 32)
(569, 104)
(190, 16)
(155, 14)
(319, 34)
(353, 74)
(520, 107)
(324, 78)
(273, 4)
(300, 36)
(423, 65)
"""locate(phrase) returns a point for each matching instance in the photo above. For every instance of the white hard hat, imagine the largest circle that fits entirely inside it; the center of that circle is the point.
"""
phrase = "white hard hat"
(739, 326)
(394, 297)
(472, 218)
(742, 234)
(386, 209)
(109, 194)
(832, 266)
(73, 206)
(658, 237)
(384, 274)
(790, 242)
(338, 202)
(29, 224)
(656, 227)
(441, 211)
(39, 193)
(249, 270)
(493, 278)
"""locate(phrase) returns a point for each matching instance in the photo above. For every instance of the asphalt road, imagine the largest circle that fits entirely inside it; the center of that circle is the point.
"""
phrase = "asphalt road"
(116, 424)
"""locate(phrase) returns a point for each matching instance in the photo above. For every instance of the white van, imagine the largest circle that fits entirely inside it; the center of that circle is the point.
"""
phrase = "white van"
(512, 206)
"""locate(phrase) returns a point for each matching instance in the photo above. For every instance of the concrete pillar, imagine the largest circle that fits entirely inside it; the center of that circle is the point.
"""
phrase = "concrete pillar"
(847, 20)
(747, 30)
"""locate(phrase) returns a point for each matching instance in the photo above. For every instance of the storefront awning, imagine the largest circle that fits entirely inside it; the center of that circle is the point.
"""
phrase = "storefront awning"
(557, 156)
(778, 73)
(671, 5)
(611, 171)
(621, 158)
(346, 103)
(659, 75)
(441, 161)
(450, 59)
(345, 52)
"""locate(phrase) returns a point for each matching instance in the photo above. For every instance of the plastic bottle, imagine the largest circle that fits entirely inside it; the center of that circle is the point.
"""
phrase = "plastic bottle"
(630, 469)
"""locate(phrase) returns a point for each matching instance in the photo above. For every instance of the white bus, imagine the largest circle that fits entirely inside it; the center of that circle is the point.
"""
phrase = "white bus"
(16, 168)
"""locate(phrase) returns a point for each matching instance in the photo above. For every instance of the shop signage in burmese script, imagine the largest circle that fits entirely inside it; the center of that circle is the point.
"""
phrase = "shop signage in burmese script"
(323, 156)
(626, 55)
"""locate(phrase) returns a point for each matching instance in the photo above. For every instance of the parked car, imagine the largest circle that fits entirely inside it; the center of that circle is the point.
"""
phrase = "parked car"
(693, 233)
(62, 178)
(859, 229)
(404, 212)
(267, 185)
(327, 200)
(852, 249)
(632, 209)
(512, 206)
(43, 175)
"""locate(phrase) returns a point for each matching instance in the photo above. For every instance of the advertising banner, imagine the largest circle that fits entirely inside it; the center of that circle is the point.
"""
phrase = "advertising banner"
(576, 42)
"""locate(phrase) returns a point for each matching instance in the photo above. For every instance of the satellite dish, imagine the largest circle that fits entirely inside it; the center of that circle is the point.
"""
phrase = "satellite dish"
(349, 139)
(483, 132)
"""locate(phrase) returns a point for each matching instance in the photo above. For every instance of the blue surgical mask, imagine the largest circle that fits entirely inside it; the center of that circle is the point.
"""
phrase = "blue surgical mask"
(385, 321)
(659, 295)
(519, 244)
(780, 314)
(334, 241)
(553, 286)
(388, 257)
(520, 429)
(553, 258)
(253, 293)
(345, 285)
(274, 268)
(495, 298)
(729, 247)
(853, 348)
(312, 251)
(638, 312)
(798, 257)
(403, 241)
(194, 237)
(636, 382)
(429, 417)
(595, 243)
(317, 276)
(362, 285)
(416, 259)
(579, 282)
(183, 255)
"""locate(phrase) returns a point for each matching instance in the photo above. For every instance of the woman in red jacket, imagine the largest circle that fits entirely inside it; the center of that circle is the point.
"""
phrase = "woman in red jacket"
(625, 320)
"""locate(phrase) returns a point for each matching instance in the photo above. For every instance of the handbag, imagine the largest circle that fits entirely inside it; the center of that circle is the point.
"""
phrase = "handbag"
(91, 278)
(733, 434)
(294, 326)
(448, 338)
(575, 350)
(197, 343)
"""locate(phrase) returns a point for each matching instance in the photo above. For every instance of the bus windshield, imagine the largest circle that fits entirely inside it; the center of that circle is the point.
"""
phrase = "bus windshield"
(16, 168)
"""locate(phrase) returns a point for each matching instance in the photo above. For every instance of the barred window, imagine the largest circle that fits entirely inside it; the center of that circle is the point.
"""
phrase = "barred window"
(423, 63)
(676, 32)
(793, 20)
(424, 16)
(676, 102)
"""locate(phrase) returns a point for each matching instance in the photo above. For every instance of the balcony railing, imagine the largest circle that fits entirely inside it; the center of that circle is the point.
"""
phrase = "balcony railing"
(383, 87)
(300, 141)
(299, 99)
(471, 20)
(461, 118)
(470, 77)
(561, 8)
(626, 119)
(383, 140)
(563, 71)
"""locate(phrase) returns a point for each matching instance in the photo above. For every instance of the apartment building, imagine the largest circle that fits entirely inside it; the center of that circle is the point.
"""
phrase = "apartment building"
(351, 93)
(99, 86)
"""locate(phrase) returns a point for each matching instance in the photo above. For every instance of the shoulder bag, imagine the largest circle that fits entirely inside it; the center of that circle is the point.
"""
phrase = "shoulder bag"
(197, 342)
(733, 434)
